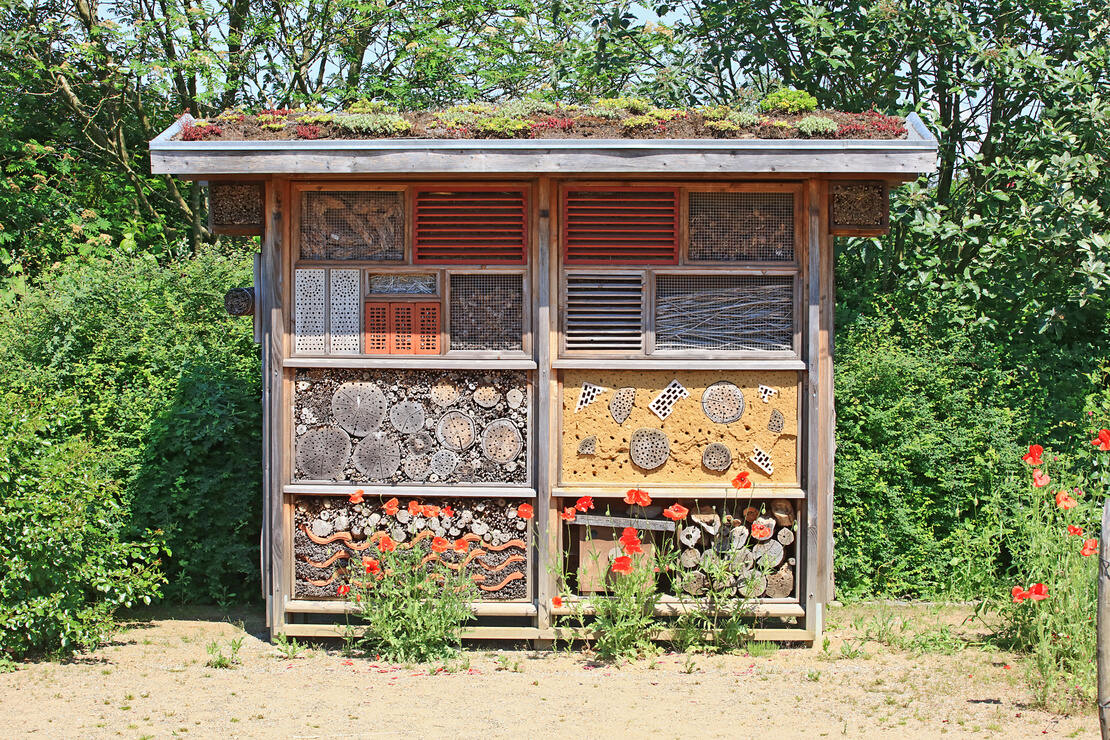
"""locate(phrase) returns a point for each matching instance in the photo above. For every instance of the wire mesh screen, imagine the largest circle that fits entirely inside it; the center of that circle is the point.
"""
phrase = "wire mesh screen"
(357, 225)
(487, 312)
(737, 227)
(724, 312)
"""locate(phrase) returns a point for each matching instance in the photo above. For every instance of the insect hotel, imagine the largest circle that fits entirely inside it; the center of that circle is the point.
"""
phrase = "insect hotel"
(480, 324)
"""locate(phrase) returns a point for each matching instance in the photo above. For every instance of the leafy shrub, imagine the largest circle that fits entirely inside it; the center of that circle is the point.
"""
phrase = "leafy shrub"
(66, 561)
(409, 610)
(816, 126)
(140, 361)
(788, 100)
(375, 124)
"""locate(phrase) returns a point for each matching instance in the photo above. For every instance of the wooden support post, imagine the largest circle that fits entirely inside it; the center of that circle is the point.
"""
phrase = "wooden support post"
(546, 433)
(274, 423)
(826, 413)
(811, 404)
(1103, 625)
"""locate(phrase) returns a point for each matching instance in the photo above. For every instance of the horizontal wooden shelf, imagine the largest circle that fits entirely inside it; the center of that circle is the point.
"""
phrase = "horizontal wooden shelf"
(786, 634)
(452, 491)
(480, 608)
(468, 633)
(413, 362)
(674, 363)
(669, 606)
(688, 491)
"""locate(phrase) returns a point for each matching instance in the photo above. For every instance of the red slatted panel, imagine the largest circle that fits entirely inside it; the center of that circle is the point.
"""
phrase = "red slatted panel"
(620, 226)
(472, 226)
(375, 329)
(414, 328)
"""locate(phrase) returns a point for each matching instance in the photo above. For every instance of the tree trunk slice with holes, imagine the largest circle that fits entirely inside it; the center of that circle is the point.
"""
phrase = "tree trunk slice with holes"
(417, 467)
(377, 456)
(766, 521)
(717, 456)
(780, 584)
(322, 453)
(455, 430)
(649, 448)
(444, 463)
(751, 514)
(486, 396)
(407, 417)
(689, 558)
(723, 402)
(768, 554)
(783, 512)
(620, 405)
(785, 536)
(752, 585)
(501, 441)
(358, 407)
(444, 394)
(694, 582)
(588, 445)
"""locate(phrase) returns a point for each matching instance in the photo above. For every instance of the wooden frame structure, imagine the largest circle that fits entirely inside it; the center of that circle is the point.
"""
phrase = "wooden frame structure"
(544, 172)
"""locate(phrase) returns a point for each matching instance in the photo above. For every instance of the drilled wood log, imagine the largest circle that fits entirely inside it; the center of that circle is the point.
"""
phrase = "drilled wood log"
(780, 584)
(239, 301)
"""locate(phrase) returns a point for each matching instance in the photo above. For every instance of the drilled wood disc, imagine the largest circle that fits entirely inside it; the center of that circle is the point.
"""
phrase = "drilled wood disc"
(422, 442)
(455, 430)
(723, 402)
(752, 585)
(588, 445)
(322, 453)
(358, 407)
(444, 462)
(649, 448)
(717, 456)
(487, 396)
(377, 456)
(417, 467)
(620, 405)
(515, 398)
(768, 554)
(780, 584)
(407, 417)
(501, 441)
(444, 394)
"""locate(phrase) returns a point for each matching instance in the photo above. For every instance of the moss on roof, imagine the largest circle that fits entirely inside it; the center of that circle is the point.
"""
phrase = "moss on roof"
(785, 114)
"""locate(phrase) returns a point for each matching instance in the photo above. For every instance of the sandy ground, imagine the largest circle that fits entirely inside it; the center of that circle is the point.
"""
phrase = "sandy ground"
(153, 681)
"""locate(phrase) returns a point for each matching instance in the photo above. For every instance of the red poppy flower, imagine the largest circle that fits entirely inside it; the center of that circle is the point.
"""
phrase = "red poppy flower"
(1040, 480)
(1064, 501)
(676, 512)
(429, 511)
(568, 514)
(414, 507)
(462, 545)
(1077, 531)
(761, 531)
(524, 511)
(448, 511)
(630, 541)
(623, 564)
(372, 566)
(1033, 457)
(1102, 441)
(557, 602)
(343, 589)
(356, 497)
(584, 504)
(638, 497)
(741, 480)
(633, 548)
(391, 506)
(1019, 594)
(1038, 592)
(386, 544)
(439, 544)
(1090, 547)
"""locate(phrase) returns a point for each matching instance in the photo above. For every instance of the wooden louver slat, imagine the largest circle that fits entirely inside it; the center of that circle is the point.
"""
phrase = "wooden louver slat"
(471, 226)
(604, 313)
(620, 226)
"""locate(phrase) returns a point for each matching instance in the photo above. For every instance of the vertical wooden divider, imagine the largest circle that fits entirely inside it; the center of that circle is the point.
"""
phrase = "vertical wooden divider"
(543, 309)
(275, 456)
(827, 413)
(811, 405)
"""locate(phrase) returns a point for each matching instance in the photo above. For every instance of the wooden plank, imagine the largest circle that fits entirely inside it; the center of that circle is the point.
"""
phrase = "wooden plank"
(620, 522)
(666, 635)
(656, 362)
(470, 633)
(827, 408)
(272, 411)
(811, 437)
(459, 490)
(480, 608)
(690, 490)
(674, 607)
(544, 401)
(416, 362)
